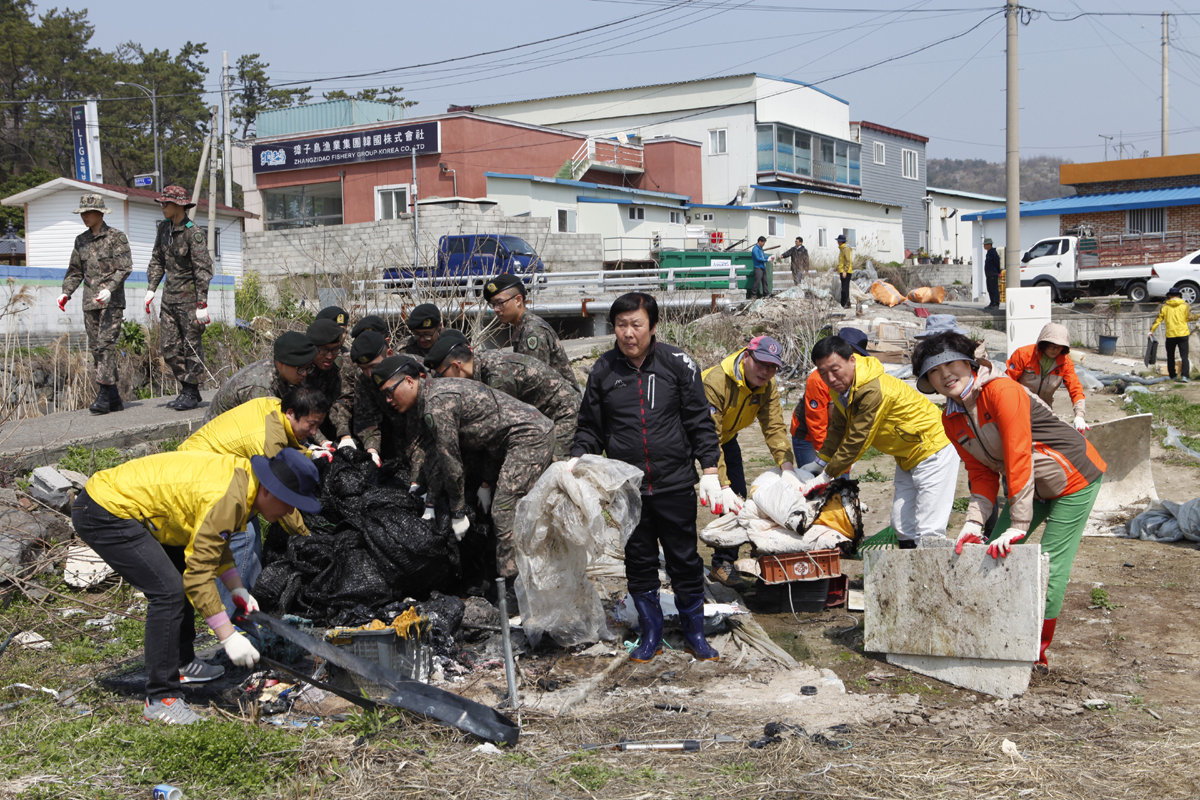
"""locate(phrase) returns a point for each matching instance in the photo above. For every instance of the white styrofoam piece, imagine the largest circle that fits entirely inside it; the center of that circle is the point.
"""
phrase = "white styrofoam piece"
(83, 568)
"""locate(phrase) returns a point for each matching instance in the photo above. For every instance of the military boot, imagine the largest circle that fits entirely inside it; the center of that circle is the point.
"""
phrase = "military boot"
(101, 404)
(114, 399)
(189, 398)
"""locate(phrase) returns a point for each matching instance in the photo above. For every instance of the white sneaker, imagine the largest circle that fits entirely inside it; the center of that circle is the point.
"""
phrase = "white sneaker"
(171, 710)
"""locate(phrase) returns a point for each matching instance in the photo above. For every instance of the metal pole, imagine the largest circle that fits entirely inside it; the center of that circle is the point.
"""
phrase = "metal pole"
(191, 212)
(510, 666)
(154, 133)
(1012, 205)
(212, 186)
(1165, 148)
(416, 224)
(227, 159)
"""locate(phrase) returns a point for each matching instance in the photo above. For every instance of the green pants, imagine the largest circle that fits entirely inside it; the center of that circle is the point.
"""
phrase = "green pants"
(1065, 519)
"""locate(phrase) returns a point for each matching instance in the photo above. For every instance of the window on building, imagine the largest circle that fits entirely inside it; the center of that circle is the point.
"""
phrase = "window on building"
(774, 226)
(637, 212)
(909, 166)
(707, 217)
(717, 142)
(784, 158)
(766, 148)
(879, 153)
(851, 238)
(822, 238)
(803, 154)
(1146, 220)
(675, 218)
(566, 220)
(390, 201)
(304, 206)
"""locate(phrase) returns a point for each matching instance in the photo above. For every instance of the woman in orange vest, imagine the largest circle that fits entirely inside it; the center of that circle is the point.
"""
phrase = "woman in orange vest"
(1051, 471)
(1043, 367)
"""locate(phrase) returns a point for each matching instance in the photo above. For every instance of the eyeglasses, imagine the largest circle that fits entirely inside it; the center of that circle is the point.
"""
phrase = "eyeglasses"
(306, 369)
(330, 349)
(499, 304)
(427, 334)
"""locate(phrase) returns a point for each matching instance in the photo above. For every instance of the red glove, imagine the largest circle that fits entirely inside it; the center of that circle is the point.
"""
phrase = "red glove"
(971, 533)
(1001, 547)
(62, 301)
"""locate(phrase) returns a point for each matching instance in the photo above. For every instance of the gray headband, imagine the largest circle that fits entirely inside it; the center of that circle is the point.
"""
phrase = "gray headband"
(944, 357)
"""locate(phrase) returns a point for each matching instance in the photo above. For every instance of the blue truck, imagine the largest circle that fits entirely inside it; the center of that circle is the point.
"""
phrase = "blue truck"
(464, 261)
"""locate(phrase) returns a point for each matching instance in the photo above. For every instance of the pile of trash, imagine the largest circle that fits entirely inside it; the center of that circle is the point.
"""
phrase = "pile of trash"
(1166, 521)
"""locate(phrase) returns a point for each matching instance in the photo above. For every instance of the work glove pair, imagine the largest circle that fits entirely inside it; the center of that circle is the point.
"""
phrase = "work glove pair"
(972, 533)
(102, 297)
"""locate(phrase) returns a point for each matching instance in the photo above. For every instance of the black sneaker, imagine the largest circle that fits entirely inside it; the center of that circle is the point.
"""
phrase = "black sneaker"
(200, 672)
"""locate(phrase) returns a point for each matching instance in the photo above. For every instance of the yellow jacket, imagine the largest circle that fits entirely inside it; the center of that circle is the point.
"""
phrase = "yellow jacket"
(257, 427)
(845, 259)
(734, 405)
(883, 411)
(190, 500)
(1177, 315)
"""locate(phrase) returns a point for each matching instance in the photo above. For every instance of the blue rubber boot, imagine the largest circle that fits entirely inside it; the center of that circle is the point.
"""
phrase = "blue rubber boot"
(691, 616)
(650, 619)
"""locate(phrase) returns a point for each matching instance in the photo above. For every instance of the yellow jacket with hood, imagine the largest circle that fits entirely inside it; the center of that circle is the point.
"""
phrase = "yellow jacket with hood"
(734, 405)
(881, 411)
(191, 500)
(257, 427)
(1177, 314)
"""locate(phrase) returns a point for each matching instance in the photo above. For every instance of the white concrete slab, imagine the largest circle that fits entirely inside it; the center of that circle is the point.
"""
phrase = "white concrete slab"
(1124, 444)
(1003, 679)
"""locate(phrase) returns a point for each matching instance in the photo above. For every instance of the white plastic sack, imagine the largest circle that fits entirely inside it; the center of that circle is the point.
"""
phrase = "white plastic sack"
(1088, 379)
(1167, 522)
(559, 529)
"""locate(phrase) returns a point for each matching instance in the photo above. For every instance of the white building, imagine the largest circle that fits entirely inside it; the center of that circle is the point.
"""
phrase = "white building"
(949, 235)
(50, 231)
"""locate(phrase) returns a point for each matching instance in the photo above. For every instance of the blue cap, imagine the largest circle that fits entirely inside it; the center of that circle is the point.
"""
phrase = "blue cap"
(855, 338)
(291, 477)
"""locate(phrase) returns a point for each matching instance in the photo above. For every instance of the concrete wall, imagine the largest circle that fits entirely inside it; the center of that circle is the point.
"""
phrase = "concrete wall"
(937, 275)
(1179, 218)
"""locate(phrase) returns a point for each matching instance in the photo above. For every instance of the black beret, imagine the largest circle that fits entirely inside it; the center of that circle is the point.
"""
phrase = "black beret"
(294, 349)
(367, 347)
(370, 323)
(499, 283)
(334, 313)
(423, 317)
(442, 347)
(393, 365)
(324, 331)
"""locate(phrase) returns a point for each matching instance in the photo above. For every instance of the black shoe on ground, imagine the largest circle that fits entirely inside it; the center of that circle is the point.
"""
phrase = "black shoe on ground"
(114, 399)
(101, 403)
(188, 398)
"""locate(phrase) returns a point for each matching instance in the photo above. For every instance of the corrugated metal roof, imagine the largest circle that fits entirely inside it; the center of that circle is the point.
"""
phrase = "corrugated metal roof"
(1095, 203)
(969, 195)
(788, 190)
(321, 116)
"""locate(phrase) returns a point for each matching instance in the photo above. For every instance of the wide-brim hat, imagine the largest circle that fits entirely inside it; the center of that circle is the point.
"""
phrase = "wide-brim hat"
(177, 195)
(91, 202)
(941, 323)
(291, 477)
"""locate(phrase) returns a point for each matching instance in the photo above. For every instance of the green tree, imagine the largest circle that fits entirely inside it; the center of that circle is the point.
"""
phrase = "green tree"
(19, 183)
(256, 94)
(385, 94)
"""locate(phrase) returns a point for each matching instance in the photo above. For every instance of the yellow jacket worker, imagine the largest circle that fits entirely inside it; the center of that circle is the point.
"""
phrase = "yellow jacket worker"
(1177, 314)
(845, 268)
(872, 408)
(163, 523)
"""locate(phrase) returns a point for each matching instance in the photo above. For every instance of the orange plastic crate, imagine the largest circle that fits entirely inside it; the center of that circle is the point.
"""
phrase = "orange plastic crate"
(800, 566)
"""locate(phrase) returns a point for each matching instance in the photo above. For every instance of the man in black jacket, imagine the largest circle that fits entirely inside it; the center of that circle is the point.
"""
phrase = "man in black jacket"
(991, 272)
(644, 404)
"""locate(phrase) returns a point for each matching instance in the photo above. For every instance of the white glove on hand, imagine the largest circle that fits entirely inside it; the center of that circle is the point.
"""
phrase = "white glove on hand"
(730, 503)
(248, 603)
(103, 296)
(1000, 548)
(571, 464)
(810, 470)
(819, 482)
(318, 453)
(710, 492)
(240, 651)
(428, 513)
(148, 300)
(375, 457)
(347, 442)
(460, 525)
(414, 488)
(485, 498)
(202, 315)
(62, 301)
(1081, 425)
(971, 533)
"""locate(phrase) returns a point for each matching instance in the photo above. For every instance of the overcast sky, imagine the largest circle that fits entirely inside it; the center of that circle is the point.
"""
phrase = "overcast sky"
(1079, 79)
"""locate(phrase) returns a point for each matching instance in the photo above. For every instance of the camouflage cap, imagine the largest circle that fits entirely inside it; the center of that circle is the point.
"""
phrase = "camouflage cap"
(499, 283)
(424, 317)
(177, 195)
(91, 202)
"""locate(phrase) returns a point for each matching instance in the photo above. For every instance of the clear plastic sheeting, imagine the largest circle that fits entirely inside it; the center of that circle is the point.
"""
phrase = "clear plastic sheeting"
(562, 526)
(1174, 439)
(1167, 522)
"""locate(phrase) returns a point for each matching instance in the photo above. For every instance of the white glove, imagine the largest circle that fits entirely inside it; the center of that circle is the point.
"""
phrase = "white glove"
(318, 453)
(1081, 425)
(148, 300)
(240, 651)
(202, 315)
(459, 525)
(347, 441)
(710, 492)
(819, 482)
(971, 533)
(428, 513)
(810, 470)
(248, 603)
(375, 456)
(999, 548)
(62, 301)
(729, 502)
(485, 498)
(414, 488)
(103, 296)
(571, 464)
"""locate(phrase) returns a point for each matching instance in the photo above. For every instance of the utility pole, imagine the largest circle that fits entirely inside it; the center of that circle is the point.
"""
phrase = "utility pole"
(1106, 139)
(227, 156)
(1012, 144)
(212, 185)
(1164, 87)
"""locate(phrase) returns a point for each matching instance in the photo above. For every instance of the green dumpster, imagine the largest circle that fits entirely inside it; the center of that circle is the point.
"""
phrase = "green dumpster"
(682, 261)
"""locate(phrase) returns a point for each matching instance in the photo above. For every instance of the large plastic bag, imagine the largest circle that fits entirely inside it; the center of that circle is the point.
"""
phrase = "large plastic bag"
(1167, 522)
(928, 294)
(559, 529)
(886, 294)
(1151, 352)
(1173, 439)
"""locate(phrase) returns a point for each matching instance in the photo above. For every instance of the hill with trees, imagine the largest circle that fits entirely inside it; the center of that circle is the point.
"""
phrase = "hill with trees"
(1039, 176)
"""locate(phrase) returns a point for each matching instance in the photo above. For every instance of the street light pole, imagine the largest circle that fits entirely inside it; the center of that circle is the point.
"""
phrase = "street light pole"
(154, 129)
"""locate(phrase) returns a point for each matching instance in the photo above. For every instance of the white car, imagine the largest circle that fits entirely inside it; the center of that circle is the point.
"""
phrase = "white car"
(1184, 273)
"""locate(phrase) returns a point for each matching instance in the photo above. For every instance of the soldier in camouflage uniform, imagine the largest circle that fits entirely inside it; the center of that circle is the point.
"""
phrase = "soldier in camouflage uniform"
(380, 428)
(327, 335)
(519, 376)
(425, 322)
(101, 261)
(181, 257)
(467, 420)
(341, 414)
(271, 377)
(531, 335)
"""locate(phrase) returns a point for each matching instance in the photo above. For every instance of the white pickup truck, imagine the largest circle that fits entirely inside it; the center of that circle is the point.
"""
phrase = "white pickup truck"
(1092, 266)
